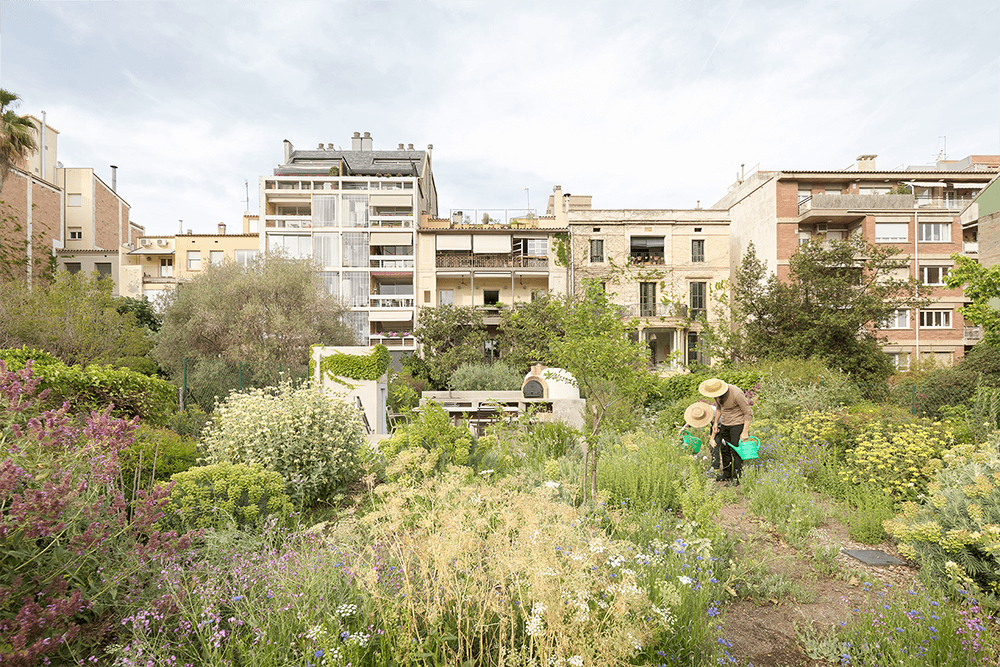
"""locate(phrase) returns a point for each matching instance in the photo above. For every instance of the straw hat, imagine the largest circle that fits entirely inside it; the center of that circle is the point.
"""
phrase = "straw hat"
(698, 414)
(713, 387)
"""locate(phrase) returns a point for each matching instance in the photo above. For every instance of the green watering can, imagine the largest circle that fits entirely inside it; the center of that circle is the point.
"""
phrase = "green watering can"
(747, 449)
(689, 442)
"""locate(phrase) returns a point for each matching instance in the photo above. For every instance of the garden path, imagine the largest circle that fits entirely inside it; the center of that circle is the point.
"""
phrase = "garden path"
(763, 631)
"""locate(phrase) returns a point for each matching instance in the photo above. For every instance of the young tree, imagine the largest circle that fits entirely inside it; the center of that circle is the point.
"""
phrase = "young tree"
(450, 336)
(76, 319)
(269, 311)
(16, 142)
(982, 286)
(830, 307)
(610, 368)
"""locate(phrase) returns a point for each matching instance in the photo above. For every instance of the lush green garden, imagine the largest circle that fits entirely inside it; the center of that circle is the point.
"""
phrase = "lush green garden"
(284, 540)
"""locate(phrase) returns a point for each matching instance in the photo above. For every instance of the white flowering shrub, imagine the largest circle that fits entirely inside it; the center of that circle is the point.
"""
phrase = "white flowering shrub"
(314, 442)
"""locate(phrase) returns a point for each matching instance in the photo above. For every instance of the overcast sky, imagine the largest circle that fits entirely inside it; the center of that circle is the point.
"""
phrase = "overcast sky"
(640, 104)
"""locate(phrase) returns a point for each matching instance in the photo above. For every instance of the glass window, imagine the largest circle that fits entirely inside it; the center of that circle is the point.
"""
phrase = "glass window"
(355, 288)
(103, 268)
(891, 232)
(166, 267)
(537, 247)
(325, 248)
(446, 297)
(216, 257)
(596, 251)
(935, 319)
(73, 267)
(324, 210)
(697, 250)
(899, 319)
(934, 275)
(243, 257)
(646, 249)
(900, 360)
(698, 300)
(647, 299)
(194, 260)
(291, 245)
(356, 251)
(491, 297)
(935, 232)
(75, 233)
(355, 210)
(331, 282)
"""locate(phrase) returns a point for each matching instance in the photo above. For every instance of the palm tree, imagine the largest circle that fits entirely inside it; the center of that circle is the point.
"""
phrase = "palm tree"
(16, 142)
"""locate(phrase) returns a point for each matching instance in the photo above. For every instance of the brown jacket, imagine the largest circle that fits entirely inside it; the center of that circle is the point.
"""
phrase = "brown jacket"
(732, 408)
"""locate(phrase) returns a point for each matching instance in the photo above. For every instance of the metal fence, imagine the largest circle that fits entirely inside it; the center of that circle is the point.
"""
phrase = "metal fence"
(203, 382)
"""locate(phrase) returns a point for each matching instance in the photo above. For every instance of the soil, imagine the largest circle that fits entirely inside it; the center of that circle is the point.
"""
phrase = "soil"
(763, 633)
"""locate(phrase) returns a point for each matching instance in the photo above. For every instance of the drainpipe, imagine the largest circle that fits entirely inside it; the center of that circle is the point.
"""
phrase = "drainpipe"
(43, 146)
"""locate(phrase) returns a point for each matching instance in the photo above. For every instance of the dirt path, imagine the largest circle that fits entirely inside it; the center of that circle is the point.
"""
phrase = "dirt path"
(763, 632)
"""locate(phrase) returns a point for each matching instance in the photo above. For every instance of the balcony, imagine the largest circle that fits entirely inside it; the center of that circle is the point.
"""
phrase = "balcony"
(970, 247)
(655, 310)
(647, 258)
(398, 301)
(973, 334)
(404, 341)
(288, 221)
(391, 261)
(492, 216)
(391, 221)
(490, 261)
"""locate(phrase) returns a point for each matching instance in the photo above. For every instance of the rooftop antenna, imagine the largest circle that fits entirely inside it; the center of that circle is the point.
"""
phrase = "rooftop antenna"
(528, 195)
(246, 183)
(943, 155)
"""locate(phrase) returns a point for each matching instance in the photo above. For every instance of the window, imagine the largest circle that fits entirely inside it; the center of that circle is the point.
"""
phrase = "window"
(166, 267)
(900, 360)
(427, 296)
(74, 200)
(288, 209)
(832, 190)
(891, 232)
(103, 268)
(446, 297)
(194, 260)
(325, 247)
(293, 246)
(697, 250)
(804, 194)
(356, 249)
(647, 299)
(243, 257)
(73, 267)
(75, 233)
(898, 320)
(596, 251)
(696, 352)
(935, 319)
(935, 232)
(491, 297)
(646, 249)
(934, 275)
(331, 282)
(355, 211)
(698, 306)
(216, 257)
(537, 247)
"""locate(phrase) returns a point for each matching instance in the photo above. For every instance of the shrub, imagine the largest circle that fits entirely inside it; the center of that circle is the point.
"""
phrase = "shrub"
(433, 432)
(899, 459)
(222, 494)
(71, 549)
(684, 386)
(404, 391)
(156, 455)
(792, 386)
(315, 443)
(955, 535)
(779, 494)
(485, 377)
(95, 387)
(510, 445)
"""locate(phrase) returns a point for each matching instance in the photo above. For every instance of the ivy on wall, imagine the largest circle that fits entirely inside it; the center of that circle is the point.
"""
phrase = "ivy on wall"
(356, 367)
(560, 243)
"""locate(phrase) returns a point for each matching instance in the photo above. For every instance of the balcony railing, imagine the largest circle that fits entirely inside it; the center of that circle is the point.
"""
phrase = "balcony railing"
(647, 258)
(288, 221)
(490, 216)
(880, 201)
(490, 261)
(973, 333)
(391, 261)
(392, 302)
(655, 310)
(383, 221)
(970, 247)
(406, 342)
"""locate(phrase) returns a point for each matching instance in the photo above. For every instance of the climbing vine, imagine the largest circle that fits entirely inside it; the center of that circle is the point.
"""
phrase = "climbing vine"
(356, 367)
(560, 243)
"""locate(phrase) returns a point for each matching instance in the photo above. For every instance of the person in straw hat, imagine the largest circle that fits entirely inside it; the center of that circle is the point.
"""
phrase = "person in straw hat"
(698, 415)
(730, 425)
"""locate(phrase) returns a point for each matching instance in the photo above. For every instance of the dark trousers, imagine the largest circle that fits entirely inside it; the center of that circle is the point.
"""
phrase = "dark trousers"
(732, 464)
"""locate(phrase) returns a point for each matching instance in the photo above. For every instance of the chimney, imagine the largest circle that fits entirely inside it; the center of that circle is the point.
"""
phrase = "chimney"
(320, 147)
(366, 142)
(190, 232)
(430, 149)
(356, 141)
(409, 147)
(456, 217)
(288, 151)
(866, 162)
(222, 229)
(114, 178)
(329, 147)
(400, 147)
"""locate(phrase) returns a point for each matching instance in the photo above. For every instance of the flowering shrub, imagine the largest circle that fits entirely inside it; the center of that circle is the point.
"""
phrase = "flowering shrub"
(433, 432)
(901, 459)
(209, 496)
(955, 534)
(71, 548)
(315, 443)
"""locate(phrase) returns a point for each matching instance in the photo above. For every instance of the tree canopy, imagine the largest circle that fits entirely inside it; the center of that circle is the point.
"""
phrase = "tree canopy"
(981, 286)
(269, 311)
(16, 141)
(836, 297)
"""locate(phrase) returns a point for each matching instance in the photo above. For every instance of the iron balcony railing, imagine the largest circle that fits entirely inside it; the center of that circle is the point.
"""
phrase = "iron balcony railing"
(490, 261)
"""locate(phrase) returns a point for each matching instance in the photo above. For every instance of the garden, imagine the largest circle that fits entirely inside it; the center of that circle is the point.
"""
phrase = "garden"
(272, 534)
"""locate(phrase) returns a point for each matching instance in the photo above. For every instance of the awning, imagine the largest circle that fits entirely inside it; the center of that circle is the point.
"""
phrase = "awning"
(969, 186)
(491, 243)
(454, 273)
(390, 200)
(151, 251)
(390, 238)
(391, 315)
(926, 185)
(454, 241)
(493, 275)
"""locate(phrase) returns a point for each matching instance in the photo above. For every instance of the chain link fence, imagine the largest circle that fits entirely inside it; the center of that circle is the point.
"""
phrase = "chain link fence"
(203, 382)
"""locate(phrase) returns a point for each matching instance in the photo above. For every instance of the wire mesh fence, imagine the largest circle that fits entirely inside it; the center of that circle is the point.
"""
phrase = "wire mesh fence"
(204, 382)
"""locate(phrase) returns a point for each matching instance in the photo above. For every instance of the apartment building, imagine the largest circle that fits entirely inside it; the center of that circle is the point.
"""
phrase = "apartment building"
(489, 258)
(355, 213)
(914, 208)
(981, 225)
(159, 263)
(661, 266)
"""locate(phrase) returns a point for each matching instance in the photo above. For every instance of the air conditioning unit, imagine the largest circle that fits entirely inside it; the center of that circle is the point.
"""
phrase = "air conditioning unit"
(821, 228)
(146, 243)
(163, 242)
